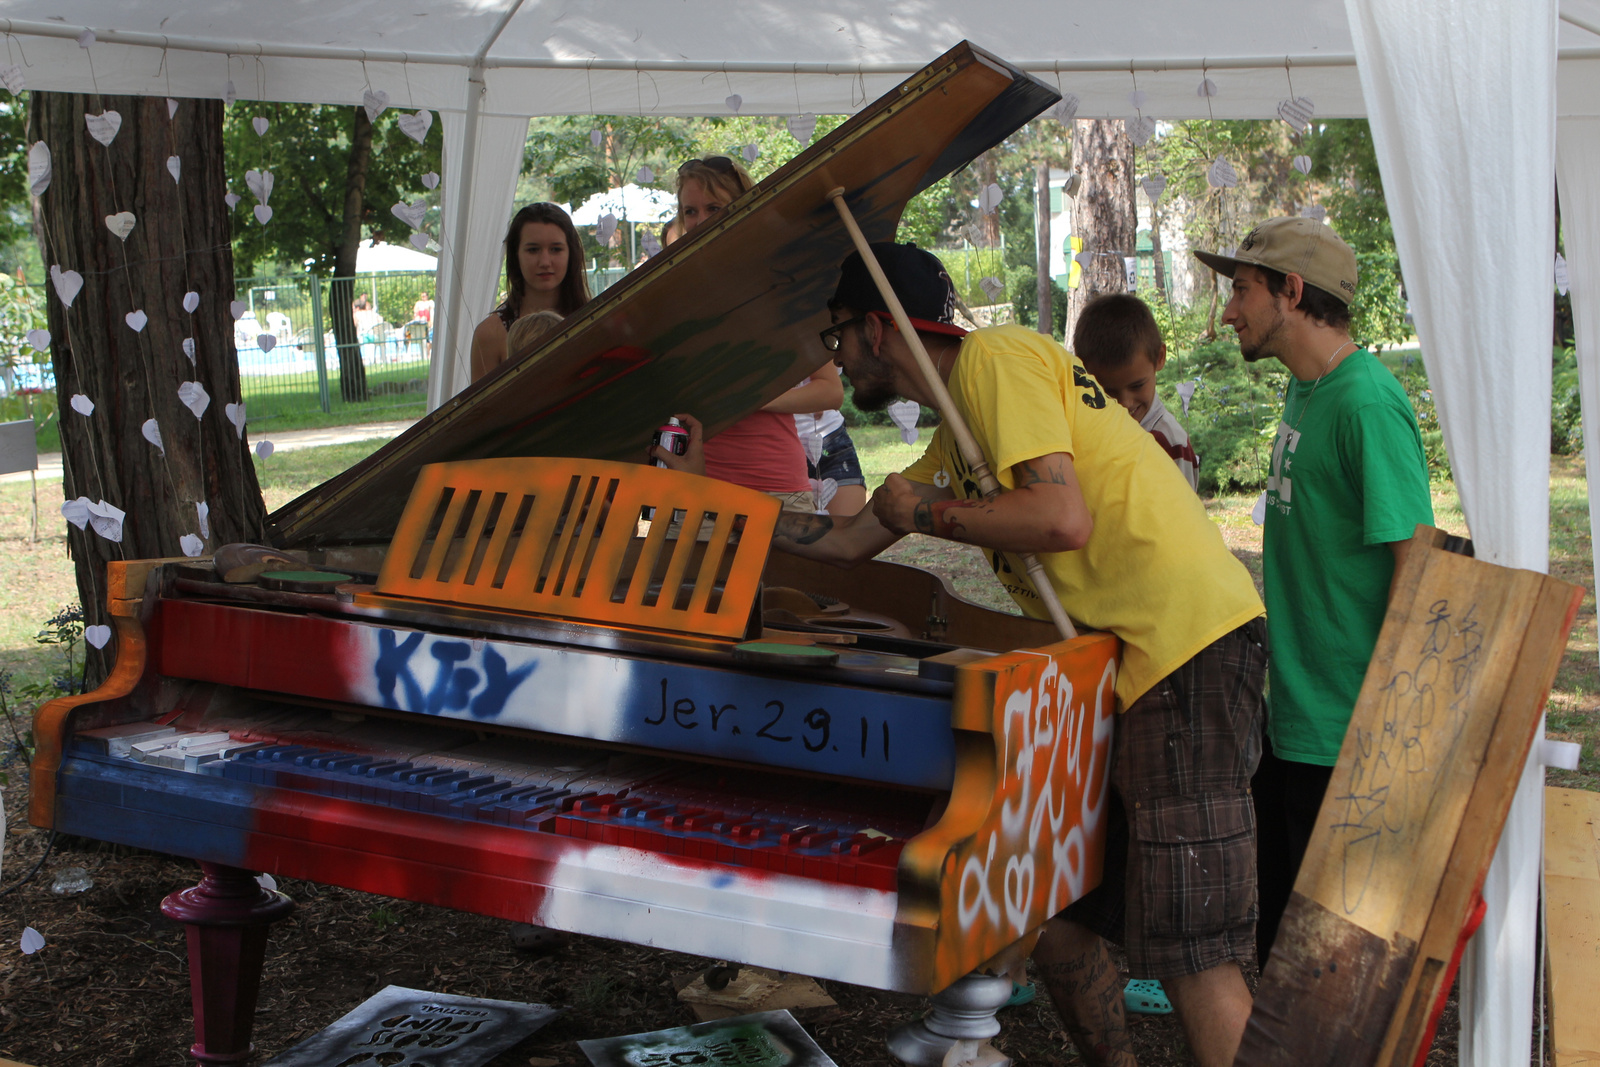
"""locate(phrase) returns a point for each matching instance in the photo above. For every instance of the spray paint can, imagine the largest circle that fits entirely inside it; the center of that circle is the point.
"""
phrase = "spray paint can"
(673, 438)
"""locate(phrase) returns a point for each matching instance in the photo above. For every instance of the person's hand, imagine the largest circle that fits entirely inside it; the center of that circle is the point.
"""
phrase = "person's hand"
(895, 504)
(694, 460)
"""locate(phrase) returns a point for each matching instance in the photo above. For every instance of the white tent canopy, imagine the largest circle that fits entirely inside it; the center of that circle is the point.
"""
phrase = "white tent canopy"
(376, 257)
(1463, 95)
(632, 203)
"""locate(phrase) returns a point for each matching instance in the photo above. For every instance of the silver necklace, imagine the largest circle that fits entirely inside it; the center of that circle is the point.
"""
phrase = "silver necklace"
(1258, 514)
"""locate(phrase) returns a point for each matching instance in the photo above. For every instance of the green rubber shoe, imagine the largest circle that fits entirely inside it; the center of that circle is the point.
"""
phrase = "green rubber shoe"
(1145, 996)
(1020, 995)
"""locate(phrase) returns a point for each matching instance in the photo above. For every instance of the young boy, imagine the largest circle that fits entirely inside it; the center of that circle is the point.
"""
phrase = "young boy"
(1119, 343)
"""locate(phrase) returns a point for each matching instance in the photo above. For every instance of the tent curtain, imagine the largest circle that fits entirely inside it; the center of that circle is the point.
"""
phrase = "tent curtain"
(1461, 95)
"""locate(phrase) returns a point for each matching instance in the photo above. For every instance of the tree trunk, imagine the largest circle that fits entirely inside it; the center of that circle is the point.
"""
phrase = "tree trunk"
(989, 174)
(352, 373)
(180, 243)
(1041, 228)
(1159, 262)
(1104, 214)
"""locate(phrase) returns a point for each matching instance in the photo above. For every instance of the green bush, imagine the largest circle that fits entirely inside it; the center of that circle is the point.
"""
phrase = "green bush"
(854, 416)
(1025, 302)
(1566, 412)
(1233, 414)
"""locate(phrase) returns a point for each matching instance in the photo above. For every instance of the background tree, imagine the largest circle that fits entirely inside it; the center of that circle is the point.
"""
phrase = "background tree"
(337, 175)
(1104, 214)
(131, 370)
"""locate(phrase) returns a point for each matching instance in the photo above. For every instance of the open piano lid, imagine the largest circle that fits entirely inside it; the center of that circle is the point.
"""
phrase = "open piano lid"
(716, 325)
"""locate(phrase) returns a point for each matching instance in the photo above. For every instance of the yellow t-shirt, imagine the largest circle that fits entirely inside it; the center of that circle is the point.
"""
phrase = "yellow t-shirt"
(1155, 571)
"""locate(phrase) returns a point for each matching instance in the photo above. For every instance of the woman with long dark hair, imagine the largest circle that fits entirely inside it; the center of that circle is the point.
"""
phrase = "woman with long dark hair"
(544, 272)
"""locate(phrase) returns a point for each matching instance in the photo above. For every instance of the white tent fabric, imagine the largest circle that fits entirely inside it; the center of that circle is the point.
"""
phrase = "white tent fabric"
(633, 203)
(375, 257)
(1577, 164)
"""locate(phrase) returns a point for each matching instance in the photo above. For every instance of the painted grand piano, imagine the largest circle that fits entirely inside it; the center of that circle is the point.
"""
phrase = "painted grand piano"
(514, 671)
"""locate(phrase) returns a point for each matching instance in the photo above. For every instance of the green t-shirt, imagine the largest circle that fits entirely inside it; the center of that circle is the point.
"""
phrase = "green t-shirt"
(1348, 476)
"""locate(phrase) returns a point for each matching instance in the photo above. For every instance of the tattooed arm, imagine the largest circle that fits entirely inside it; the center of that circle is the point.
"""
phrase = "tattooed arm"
(842, 541)
(1044, 513)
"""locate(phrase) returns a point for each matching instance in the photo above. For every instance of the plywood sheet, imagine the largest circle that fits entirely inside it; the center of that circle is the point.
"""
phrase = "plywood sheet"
(1572, 915)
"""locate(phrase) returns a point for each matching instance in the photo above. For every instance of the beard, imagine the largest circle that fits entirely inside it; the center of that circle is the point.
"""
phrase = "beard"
(1267, 347)
(872, 382)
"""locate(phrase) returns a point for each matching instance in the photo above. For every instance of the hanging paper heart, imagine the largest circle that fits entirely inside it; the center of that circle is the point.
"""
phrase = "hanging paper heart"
(260, 183)
(97, 636)
(1186, 393)
(32, 941)
(813, 445)
(375, 103)
(152, 433)
(430, 180)
(1074, 183)
(229, 93)
(104, 126)
(39, 168)
(266, 342)
(1140, 129)
(188, 348)
(993, 288)
(416, 126)
(172, 108)
(903, 413)
(106, 520)
(801, 127)
(420, 241)
(194, 397)
(645, 176)
(191, 300)
(1563, 279)
(86, 38)
(174, 166)
(1084, 259)
(827, 489)
(204, 511)
(1315, 211)
(1138, 97)
(734, 102)
(750, 152)
(260, 124)
(136, 320)
(411, 214)
(1066, 110)
(595, 137)
(1302, 164)
(1221, 175)
(263, 213)
(605, 228)
(989, 198)
(120, 224)
(39, 339)
(1154, 186)
(232, 200)
(11, 78)
(650, 243)
(235, 413)
(192, 546)
(82, 404)
(264, 449)
(1297, 113)
(1206, 88)
(77, 512)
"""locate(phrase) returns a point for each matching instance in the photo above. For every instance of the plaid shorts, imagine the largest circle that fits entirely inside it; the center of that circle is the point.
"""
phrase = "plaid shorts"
(1179, 892)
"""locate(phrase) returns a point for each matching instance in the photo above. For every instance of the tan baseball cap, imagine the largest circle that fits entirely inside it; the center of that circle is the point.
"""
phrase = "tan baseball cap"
(1294, 246)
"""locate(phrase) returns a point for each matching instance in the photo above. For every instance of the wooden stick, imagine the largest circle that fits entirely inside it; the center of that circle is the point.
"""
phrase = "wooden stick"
(965, 442)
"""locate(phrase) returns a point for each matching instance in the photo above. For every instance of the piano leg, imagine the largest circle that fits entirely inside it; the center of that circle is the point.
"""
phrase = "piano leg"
(965, 1011)
(227, 916)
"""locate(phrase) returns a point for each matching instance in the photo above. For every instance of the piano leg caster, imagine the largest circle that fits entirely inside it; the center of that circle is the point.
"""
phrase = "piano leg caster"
(963, 1012)
(226, 916)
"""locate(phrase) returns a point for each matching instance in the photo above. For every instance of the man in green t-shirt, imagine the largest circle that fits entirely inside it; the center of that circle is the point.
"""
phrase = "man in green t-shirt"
(1347, 485)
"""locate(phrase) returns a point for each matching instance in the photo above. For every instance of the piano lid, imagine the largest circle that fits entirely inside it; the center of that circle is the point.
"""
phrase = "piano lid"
(717, 325)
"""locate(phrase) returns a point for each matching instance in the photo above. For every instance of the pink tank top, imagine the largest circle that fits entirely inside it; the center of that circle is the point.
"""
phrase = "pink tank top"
(760, 451)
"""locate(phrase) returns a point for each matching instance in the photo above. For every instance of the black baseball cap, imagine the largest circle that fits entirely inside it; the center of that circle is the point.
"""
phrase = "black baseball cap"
(918, 279)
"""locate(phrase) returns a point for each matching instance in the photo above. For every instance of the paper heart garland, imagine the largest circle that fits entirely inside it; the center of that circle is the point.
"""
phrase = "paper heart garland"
(235, 413)
(11, 78)
(204, 511)
(1074, 183)
(98, 636)
(1206, 88)
(263, 213)
(604, 228)
(416, 126)
(750, 152)
(430, 180)
(595, 137)
(1297, 113)
(86, 38)
(77, 512)
(232, 200)
(813, 443)
(411, 214)
(264, 450)
(39, 339)
(32, 941)
(121, 224)
(824, 491)
(104, 126)
(192, 546)
(174, 166)
(801, 127)
(903, 413)
(645, 176)
(1186, 393)
(152, 433)
(375, 103)
(39, 168)
(106, 520)
(1221, 174)
(259, 124)
(82, 404)
(1154, 186)
(172, 109)
(1563, 278)
(229, 93)
(990, 198)
(260, 183)
(266, 342)
(734, 102)
(1140, 129)
(188, 348)
(136, 320)
(194, 397)
(1302, 164)
(1315, 211)
(1084, 259)
(1065, 111)
(650, 243)
(191, 300)
(1138, 97)
(420, 241)
(992, 288)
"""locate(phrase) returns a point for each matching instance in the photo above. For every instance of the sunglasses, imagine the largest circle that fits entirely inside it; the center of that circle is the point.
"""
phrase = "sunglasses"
(833, 336)
(720, 164)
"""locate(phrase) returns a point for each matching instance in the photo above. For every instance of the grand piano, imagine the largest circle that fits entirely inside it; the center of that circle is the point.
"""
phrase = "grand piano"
(512, 670)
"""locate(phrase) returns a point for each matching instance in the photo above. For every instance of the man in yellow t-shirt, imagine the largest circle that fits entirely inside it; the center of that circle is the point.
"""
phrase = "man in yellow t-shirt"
(1129, 549)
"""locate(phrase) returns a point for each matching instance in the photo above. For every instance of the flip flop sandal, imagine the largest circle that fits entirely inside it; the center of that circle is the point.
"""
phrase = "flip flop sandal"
(1145, 996)
(1020, 995)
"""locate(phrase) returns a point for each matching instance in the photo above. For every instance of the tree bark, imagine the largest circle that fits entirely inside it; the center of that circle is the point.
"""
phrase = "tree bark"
(1159, 262)
(1104, 214)
(1041, 227)
(180, 243)
(352, 373)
